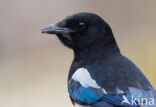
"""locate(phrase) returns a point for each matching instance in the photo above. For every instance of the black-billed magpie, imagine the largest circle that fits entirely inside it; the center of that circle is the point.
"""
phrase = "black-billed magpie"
(100, 76)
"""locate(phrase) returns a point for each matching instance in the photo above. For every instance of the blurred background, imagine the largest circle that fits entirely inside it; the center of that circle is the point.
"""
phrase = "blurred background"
(34, 67)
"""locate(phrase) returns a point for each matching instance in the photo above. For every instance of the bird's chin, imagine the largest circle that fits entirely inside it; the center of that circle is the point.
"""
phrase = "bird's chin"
(66, 40)
(68, 37)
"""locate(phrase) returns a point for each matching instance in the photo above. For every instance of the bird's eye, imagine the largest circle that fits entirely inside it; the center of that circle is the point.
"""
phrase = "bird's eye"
(82, 25)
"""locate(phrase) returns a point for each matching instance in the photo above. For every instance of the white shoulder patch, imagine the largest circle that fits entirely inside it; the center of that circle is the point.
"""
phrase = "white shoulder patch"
(82, 76)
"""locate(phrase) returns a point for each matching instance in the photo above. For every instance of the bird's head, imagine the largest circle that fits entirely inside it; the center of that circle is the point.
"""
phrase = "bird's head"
(81, 30)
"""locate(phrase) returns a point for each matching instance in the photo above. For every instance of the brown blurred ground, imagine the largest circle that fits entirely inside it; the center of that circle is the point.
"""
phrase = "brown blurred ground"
(34, 67)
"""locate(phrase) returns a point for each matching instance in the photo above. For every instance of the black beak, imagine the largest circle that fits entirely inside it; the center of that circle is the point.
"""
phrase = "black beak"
(57, 28)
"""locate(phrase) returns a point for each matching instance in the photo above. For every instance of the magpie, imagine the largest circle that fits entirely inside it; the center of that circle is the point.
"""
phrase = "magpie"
(100, 76)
